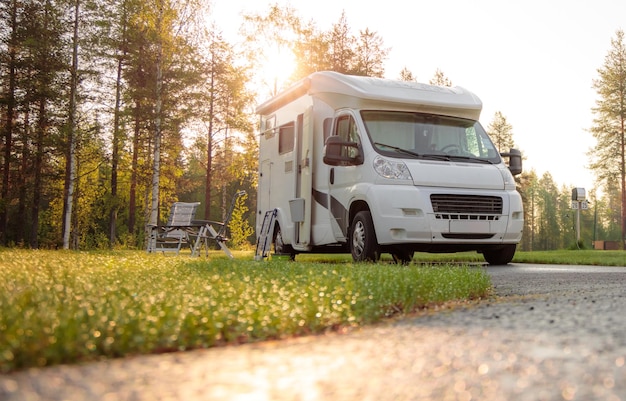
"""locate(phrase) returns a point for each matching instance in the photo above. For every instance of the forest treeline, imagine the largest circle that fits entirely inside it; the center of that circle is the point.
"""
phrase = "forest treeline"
(110, 111)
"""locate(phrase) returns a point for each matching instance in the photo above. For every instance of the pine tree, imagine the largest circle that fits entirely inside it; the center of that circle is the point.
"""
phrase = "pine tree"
(70, 169)
(529, 191)
(118, 44)
(221, 112)
(341, 46)
(440, 79)
(501, 132)
(370, 55)
(609, 125)
(548, 235)
(8, 112)
(310, 51)
(407, 75)
(44, 51)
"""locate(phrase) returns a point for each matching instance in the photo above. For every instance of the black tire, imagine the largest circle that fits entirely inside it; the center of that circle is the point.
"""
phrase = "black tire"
(280, 248)
(500, 256)
(363, 243)
(402, 256)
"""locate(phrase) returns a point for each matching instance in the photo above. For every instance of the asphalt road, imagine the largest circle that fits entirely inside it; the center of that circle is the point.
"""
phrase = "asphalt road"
(553, 333)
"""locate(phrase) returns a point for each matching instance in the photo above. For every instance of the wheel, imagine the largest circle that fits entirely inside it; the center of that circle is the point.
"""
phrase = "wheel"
(500, 256)
(280, 248)
(363, 243)
(402, 256)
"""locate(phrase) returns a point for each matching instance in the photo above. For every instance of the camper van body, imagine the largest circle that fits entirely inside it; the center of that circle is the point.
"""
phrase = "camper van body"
(370, 166)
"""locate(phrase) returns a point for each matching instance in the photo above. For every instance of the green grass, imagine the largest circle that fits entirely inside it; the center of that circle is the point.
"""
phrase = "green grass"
(575, 257)
(65, 307)
(568, 257)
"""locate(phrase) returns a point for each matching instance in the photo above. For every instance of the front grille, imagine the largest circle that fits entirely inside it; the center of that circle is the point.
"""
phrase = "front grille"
(466, 207)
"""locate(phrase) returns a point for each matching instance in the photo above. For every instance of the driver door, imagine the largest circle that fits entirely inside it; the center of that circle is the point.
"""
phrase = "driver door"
(344, 176)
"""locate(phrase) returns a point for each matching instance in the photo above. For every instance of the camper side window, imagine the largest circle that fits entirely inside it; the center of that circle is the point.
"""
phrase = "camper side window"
(347, 131)
(286, 135)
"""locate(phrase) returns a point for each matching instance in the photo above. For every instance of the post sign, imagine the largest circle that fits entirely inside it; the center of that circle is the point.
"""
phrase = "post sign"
(579, 202)
(578, 194)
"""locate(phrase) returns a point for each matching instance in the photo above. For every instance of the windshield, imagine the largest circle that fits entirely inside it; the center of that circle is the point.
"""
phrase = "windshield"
(407, 134)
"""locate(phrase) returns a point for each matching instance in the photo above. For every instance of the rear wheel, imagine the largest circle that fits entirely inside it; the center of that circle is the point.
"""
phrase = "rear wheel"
(280, 248)
(500, 256)
(363, 243)
(402, 256)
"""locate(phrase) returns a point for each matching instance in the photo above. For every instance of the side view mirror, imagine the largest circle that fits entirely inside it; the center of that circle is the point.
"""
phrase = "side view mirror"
(515, 161)
(338, 152)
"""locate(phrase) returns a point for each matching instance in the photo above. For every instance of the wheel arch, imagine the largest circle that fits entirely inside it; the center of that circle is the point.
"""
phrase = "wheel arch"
(279, 222)
(356, 207)
(281, 246)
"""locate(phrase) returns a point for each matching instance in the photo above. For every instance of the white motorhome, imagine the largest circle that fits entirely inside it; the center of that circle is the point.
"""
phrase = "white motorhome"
(369, 165)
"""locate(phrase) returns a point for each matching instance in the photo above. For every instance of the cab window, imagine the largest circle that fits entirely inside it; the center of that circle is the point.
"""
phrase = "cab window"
(346, 129)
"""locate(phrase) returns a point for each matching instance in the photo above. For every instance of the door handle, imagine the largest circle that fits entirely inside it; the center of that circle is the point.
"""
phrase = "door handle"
(332, 175)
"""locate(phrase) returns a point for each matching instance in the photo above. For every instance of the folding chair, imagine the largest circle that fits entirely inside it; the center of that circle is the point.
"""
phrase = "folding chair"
(175, 233)
(208, 232)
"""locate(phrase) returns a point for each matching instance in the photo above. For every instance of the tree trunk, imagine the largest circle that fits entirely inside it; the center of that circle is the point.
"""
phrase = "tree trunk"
(39, 152)
(10, 118)
(132, 199)
(623, 177)
(156, 169)
(71, 156)
(209, 151)
(115, 206)
(115, 151)
(41, 94)
(25, 178)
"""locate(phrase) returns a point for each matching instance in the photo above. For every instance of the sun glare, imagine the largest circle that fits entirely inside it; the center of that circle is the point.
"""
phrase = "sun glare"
(279, 65)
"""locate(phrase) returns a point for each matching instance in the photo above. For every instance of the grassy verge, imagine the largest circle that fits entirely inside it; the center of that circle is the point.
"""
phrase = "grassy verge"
(567, 257)
(64, 307)
(577, 257)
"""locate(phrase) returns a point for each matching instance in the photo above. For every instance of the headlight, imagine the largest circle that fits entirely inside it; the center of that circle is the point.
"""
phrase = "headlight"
(393, 170)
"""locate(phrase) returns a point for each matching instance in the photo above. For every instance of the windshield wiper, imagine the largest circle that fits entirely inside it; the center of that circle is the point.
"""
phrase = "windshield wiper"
(437, 156)
(470, 158)
(434, 156)
(397, 149)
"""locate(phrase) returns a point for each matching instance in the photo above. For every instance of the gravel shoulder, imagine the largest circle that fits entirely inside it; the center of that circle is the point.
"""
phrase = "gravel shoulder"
(552, 333)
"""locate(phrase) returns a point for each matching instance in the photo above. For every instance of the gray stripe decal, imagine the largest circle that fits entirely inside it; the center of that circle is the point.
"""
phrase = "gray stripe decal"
(337, 210)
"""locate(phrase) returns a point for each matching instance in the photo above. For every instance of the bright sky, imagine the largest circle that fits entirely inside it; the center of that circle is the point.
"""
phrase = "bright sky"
(532, 60)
